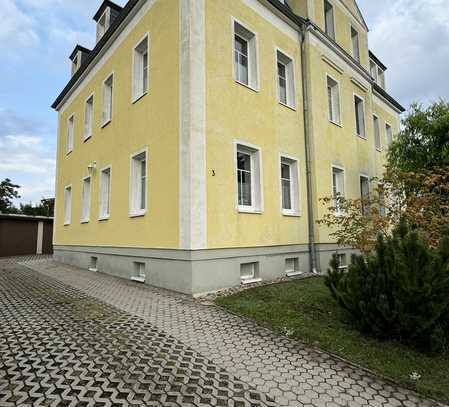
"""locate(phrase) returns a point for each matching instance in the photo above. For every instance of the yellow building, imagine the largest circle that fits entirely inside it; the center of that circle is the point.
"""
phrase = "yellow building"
(197, 137)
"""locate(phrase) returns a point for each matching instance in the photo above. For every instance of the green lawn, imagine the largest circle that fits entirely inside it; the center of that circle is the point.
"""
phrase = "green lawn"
(307, 310)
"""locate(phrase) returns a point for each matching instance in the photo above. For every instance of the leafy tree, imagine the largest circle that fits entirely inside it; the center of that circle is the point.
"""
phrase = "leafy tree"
(424, 141)
(8, 192)
(45, 208)
(400, 292)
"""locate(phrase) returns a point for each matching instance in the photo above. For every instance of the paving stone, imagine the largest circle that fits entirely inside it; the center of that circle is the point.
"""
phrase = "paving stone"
(289, 372)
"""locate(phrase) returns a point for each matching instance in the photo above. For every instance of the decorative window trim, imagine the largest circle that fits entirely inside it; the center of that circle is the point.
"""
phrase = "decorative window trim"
(253, 56)
(363, 135)
(343, 170)
(290, 67)
(133, 211)
(86, 219)
(68, 205)
(295, 188)
(340, 115)
(135, 94)
(88, 135)
(103, 216)
(70, 137)
(106, 121)
(257, 206)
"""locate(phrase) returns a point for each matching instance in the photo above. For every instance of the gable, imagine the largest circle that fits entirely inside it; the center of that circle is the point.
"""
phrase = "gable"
(353, 8)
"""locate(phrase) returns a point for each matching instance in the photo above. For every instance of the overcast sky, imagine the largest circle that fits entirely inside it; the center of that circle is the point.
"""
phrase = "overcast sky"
(411, 37)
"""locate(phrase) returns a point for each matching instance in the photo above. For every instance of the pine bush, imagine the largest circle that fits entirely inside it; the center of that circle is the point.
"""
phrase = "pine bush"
(399, 292)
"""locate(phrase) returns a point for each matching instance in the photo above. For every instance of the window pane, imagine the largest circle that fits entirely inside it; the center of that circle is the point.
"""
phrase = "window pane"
(145, 72)
(143, 186)
(241, 60)
(285, 171)
(286, 194)
(243, 161)
(244, 179)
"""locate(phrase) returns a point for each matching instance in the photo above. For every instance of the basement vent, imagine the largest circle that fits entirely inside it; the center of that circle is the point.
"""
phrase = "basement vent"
(139, 272)
(93, 264)
(249, 273)
(292, 267)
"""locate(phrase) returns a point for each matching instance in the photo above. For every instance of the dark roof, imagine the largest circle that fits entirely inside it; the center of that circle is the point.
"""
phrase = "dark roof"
(25, 217)
(391, 99)
(377, 61)
(79, 48)
(106, 3)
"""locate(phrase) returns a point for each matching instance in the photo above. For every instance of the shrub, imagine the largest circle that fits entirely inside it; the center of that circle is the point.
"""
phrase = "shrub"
(399, 292)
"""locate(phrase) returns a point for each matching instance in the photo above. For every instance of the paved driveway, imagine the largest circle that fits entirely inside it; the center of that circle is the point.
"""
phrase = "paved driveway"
(71, 337)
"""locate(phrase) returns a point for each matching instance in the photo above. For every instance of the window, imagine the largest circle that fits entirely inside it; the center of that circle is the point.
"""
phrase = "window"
(248, 179)
(75, 63)
(140, 74)
(364, 192)
(355, 44)
(381, 78)
(341, 261)
(373, 70)
(88, 117)
(249, 273)
(376, 125)
(105, 193)
(359, 116)
(333, 97)
(381, 192)
(388, 134)
(140, 274)
(286, 80)
(292, 267)
(70, 133)
(93, 264)
(338, 186)
(107, 99)
(245, 56)
(289, 186)
(85, 211)
(103, 23)
(67, 205)
(329, 19)
(138, 204)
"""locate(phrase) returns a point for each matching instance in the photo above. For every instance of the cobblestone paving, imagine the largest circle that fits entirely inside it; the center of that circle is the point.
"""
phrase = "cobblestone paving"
(291, 373)
(61, 347)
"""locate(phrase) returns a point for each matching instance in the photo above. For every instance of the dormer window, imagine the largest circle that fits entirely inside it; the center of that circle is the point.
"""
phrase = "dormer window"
(377, 70)
(76, 63)
(105, 16)
(78, 57)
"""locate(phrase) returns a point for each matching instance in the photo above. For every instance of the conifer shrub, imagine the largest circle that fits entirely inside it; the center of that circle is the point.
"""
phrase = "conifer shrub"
(399, 292)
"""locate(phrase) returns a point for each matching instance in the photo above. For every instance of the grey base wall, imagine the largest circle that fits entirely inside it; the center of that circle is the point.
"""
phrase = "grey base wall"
(194, 272)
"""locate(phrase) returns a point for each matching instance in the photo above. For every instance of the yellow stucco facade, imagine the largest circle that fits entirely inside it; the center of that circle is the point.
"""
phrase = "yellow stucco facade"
(191, 122)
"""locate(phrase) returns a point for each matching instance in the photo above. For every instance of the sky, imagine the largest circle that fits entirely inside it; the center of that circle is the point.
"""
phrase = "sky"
(411, 37)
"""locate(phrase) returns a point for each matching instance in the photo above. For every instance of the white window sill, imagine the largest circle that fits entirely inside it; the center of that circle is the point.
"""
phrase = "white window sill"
(291, 107)
(379, 150)
(362, 137)
(68, 152)
(136, 98)
(336, 123)
(138, 279)
(245, 209)
(93, 270)
(294, 273)
(84, 221)
(292, 214)
(251, 281)
(66, 223)
(106, 123)
(246, 86)
(136, 214)
(87, 137)
(102, 218)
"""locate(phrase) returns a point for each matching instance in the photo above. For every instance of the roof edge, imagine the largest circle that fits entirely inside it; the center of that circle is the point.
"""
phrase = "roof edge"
(106, 3)
(382, 92)
(377, 60)
(79, 48)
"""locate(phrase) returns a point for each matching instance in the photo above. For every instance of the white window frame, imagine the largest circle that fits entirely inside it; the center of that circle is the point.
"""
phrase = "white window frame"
(336, 105)
(107, 109)
(67, 205)
(138, 90)
(363, 133)
(251, 38)
(107, 22)
(377, 133)
(102, 214)
(290, 86)
(355, 50)
(367, 179)
(70, 134)
(388, 126)
(295, 195)
(134, 194)
(257, 203)
(85, 205)
(343, 172)
(332, 35)
(88, 127)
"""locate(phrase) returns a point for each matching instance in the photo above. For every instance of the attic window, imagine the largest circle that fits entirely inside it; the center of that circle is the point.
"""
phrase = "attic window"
(76, 62)
(103, 23)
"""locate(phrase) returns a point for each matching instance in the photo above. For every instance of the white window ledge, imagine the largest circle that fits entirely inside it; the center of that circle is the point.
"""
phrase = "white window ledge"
(251, 281)
(244, 209)
(93, 270)
(294, 273)
(102, 218)
(136, 214)
(291, 214)
(68, 152)
(84, 221)
(106, 123)
(288, 106)
(137, 98)
(336, 123)
(87, 137)
(138, 279)
(362, 137)
(246, 86)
